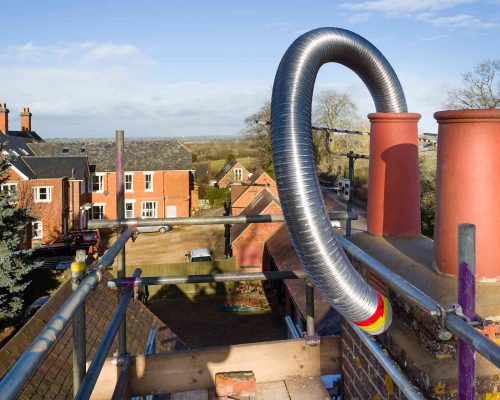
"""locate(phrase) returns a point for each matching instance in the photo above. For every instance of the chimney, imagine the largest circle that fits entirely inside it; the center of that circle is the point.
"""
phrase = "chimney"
(467, 189)
(26, 120)
(4, 119)
(394, 186)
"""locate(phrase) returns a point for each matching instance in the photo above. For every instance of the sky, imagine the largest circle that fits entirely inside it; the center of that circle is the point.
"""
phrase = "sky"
(191, 68)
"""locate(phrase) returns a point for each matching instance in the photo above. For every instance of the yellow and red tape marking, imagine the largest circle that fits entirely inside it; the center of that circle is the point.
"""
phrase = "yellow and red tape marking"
(381, 318)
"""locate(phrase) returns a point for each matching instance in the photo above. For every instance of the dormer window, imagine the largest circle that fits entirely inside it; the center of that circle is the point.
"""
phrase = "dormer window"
(65, 150)
(83, 150)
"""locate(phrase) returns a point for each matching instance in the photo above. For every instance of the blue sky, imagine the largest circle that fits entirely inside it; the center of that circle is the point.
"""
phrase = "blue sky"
(185, 68)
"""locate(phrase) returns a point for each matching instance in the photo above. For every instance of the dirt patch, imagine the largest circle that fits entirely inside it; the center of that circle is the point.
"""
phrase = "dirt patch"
(171, 247)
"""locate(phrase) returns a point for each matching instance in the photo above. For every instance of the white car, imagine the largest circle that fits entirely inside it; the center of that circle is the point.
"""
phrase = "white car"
(153, 229)
(199, 255)
(336, 224)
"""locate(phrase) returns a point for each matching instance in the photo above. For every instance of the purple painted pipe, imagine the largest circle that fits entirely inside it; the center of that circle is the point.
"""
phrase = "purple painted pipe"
(467, 299)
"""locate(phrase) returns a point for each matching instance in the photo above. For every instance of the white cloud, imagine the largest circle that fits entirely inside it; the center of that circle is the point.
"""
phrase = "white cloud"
(113, 52)
(359, 18)
(419, 10)
(73, 52)
(403, 6)
(455, 21)
(84, 100)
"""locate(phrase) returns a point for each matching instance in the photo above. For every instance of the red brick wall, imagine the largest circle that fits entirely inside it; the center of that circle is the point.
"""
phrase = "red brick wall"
(248, 195)
(170, 188)
(248, 248)
(362, 375)
(229, 177)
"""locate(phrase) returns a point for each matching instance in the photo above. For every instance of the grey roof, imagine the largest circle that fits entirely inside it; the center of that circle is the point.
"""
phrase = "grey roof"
(202, 171)
(16, 144)
(140, 155)
(225, 169)
(58, 167)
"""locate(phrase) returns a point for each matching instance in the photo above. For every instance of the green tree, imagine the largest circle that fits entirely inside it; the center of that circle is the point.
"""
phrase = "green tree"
(15, 261)
(427, 195)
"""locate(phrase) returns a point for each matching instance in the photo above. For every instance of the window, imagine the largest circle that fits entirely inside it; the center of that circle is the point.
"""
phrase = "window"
(9, 187)
(97, 211)
(238, 174)
(129, 182)
(148, 209)
(65, 150)
(37, 230)
(129, 209)
(96, 183)
(43, 194)
(83, 149)
(148, 181)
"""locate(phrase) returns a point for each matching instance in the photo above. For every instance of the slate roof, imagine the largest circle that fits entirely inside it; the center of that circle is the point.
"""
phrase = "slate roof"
(256, 207)
(202, 171)
(284, 258)
(58, 167)
(225, 169)
(53, 378)
(140, 155)
(16, 144)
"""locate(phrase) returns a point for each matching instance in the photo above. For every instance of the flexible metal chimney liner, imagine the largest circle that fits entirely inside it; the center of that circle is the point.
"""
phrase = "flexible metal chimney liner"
(303, 207)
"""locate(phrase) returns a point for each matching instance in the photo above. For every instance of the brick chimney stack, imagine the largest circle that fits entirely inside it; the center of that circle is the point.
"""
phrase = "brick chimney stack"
(4, 119)
(26, 120)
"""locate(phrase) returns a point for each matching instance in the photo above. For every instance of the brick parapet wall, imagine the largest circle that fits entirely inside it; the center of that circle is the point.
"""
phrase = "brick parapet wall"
(362, 375)
(412, 341)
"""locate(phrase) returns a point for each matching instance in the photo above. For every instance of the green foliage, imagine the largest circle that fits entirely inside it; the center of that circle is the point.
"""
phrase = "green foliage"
(15, 261)
(218, 197)
(427, 196)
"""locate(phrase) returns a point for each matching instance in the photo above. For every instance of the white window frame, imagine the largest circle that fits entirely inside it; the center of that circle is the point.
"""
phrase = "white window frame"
(36, 194)
(238, 174)
(133, 208)
(131, 175)
(91, 183)
(103, 206)
(39, 225)
(144, 209)
(9, 186)
(145, 181)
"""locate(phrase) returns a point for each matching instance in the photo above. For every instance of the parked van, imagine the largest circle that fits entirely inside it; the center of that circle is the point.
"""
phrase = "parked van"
(199, 255)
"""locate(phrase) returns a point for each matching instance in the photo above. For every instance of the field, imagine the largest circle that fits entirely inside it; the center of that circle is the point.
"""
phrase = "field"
(218, 151)
(249, 163)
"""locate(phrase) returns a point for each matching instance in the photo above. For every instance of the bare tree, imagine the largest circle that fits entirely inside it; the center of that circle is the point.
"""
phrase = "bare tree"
(259, 133)
(337, 110)
(480, 88)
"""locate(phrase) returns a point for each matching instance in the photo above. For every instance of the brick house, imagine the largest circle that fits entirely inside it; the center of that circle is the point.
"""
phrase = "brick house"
(233, 171)
(158, 176)
(52, 188)
(242, 194)
(66, 182)
(247, 240)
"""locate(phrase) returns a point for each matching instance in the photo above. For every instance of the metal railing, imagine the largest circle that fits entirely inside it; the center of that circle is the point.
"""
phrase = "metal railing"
(13, 382)
(212, 220)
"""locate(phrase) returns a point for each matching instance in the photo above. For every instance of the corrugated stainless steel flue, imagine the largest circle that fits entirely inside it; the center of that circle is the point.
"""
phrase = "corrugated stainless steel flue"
(303, 207)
